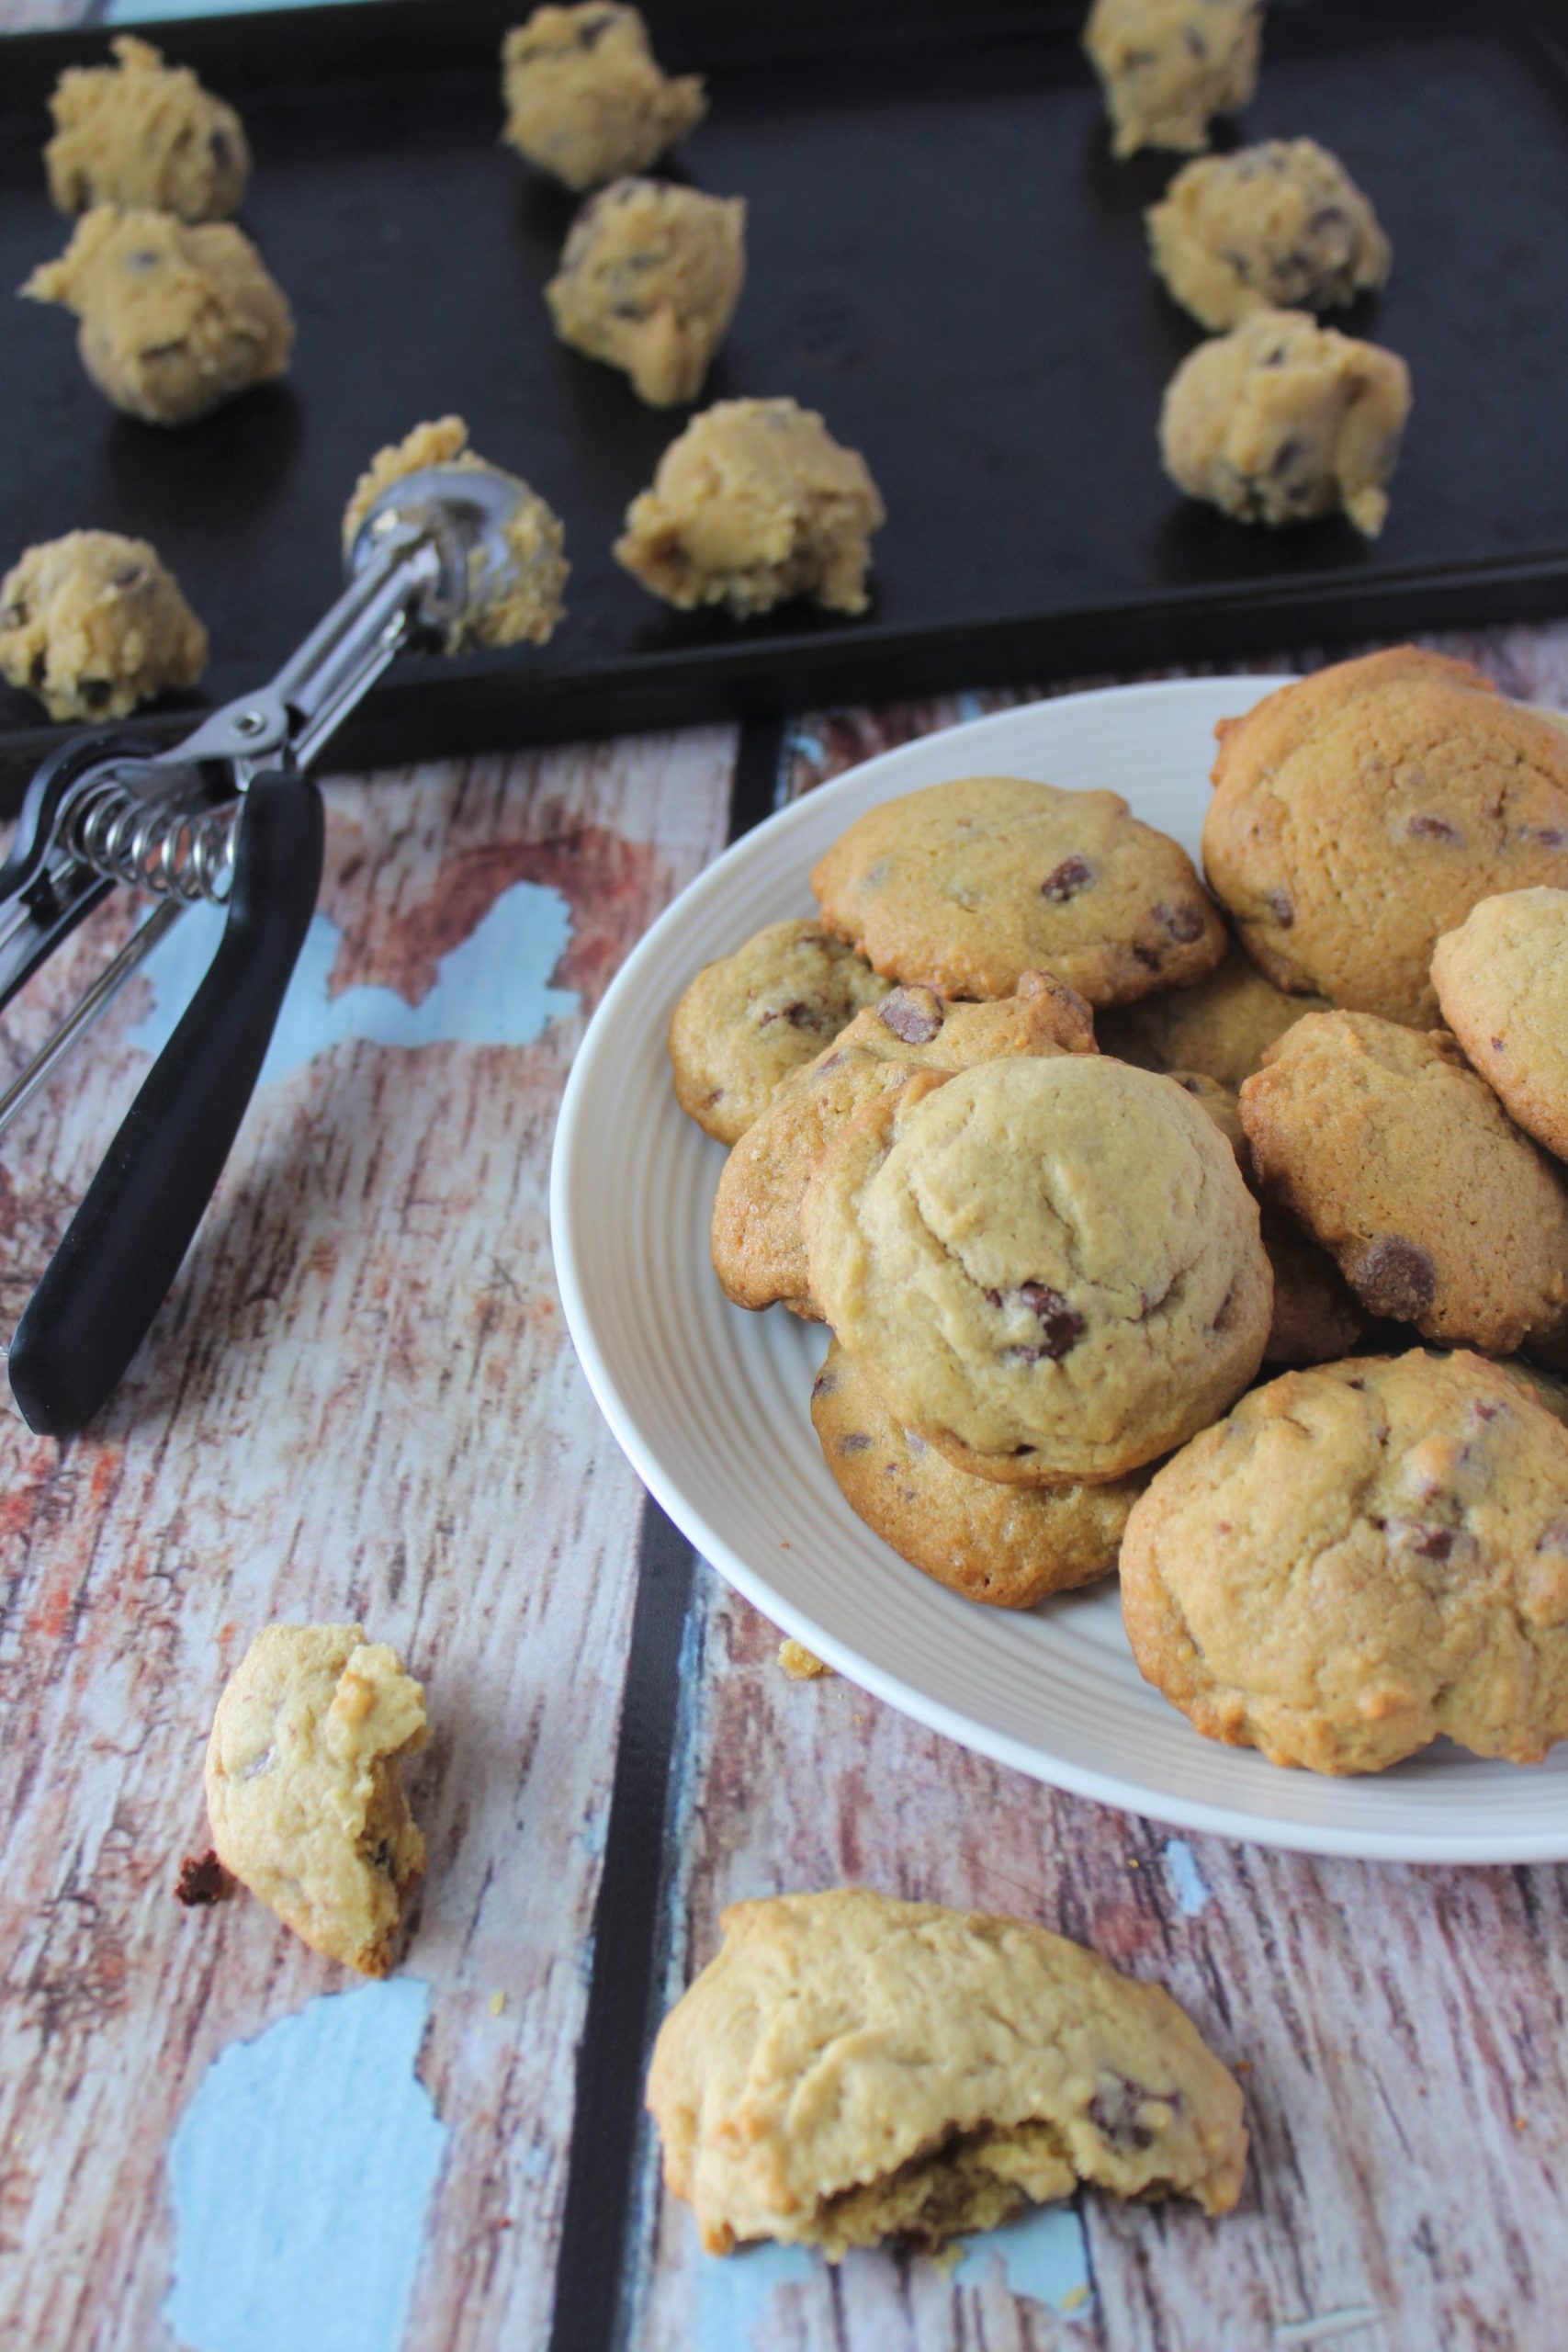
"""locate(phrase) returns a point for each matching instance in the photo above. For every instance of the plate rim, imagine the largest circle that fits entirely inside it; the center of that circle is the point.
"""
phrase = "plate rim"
(1466, 1848)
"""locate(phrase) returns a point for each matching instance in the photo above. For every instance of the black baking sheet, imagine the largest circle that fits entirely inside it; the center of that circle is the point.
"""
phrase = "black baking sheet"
(945, 259)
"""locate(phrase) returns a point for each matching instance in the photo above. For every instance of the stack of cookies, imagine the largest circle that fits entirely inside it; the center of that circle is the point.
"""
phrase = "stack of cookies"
(1054, 1263)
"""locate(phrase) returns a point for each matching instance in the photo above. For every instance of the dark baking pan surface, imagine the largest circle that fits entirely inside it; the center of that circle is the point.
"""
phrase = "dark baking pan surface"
(945, 259)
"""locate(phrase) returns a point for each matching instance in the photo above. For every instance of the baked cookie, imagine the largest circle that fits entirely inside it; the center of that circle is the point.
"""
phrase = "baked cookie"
(1282, 421)
(176, 320)
(1363, 811)
(1399, 1159)
(965, 886)
(1010, 1545)
(1282, 226)
(585, 99)
(1220, 1028)
(525, 607)
(1169, 66)
(850, 2068)
(759, 1248)
(755, 504)
(749, 1020)
(302, 1788)
(1361, 1558)
(94, 624)
(1502, 980)
(648, 280)
(140, 133)
(1050, 1267)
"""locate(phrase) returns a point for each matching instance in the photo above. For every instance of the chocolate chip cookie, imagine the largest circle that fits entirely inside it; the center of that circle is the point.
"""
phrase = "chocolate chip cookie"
(749, 1020)
(1402, 1162)
(1363, 1557)
(850, 2068)
(1362, 812)
(1050, 1268)
(1502, 980)
(965, 886)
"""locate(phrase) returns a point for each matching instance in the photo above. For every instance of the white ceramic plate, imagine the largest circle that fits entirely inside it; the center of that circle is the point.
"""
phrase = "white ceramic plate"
(712, 1404)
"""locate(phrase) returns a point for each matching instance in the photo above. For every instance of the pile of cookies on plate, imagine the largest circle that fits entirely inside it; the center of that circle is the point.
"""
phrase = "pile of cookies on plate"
(1154, 1297)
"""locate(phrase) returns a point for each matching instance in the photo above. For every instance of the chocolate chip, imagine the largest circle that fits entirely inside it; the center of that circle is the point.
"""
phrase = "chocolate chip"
(96, 693)
(1064, 881)
(14, 616)
(130, 577)
(1549, 836)
(1433, 829)
(799, 1015)
(1433, 1543)
(591, 30)
(1327, 217)
(1184, 923)
(825, 1382)
(1395, 1277)
(1061, 1327)
(1279, 905)
(202, 1881)
(143, 259)
(1196, 44)
(914, 1014)
(854, 1443)
(1117, 2109)
(221, 148)
(1288, 456)
(381, 1857)
(1485, 1411)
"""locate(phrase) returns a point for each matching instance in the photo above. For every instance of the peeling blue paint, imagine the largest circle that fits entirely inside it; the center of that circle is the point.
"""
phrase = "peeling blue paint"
(1191, 1893)
(1043, 2257)
(735, 2293)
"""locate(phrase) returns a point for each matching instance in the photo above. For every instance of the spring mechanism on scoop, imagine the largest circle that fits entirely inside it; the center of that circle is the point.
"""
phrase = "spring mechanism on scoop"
(167, 850)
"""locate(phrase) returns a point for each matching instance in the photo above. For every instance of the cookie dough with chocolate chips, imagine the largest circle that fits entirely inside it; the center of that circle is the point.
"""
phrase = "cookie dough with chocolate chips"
(585, 98)
(754, 505)
(142, 133)
(526, 606)
(1279, 226)
(648, 280)
(176, 320)
(1282, 421)
(1168, 66)
(94, 624)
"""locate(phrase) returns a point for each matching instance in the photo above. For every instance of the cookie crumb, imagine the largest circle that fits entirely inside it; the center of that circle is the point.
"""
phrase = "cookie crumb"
(202, 1881)
(1074, 2301)
(497, 2003)
(800, 1663)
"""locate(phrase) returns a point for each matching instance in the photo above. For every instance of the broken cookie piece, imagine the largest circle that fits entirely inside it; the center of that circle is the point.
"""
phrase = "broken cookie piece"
(648, 280)
(140, 133)
(754, 505)
(852, 2068)
(302, 1788)
(95, 623)
(176, 320)
(585, 98)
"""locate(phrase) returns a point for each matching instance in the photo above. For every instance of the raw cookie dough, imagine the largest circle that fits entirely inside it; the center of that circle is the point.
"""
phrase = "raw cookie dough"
(302, 1788)
(140, 133)
(1361, 1558)
(850, 2068)
(1221, 1028)
(1050, 1267)
(1168, 65)
(1011, 1546)
(1362, 812)
(1502, 980)
(648, 280)
(174, 319)
(1281, 226)
(755, 504)
(585, 99)
(1282, 421)
(525, 607)
(966, 885)
(95, 623)
(1401, 1161)
(751, 1020)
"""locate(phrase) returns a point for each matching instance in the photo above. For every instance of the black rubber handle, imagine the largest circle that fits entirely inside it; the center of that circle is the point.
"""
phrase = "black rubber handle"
(123, 1247)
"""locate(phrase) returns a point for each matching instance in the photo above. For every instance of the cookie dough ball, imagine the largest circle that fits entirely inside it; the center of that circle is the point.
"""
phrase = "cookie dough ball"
(302, 1787)
(852, 2068)
(1363, 1558)
(1502, 980)
(648, 280)
(585, 99)
(174, 319)
(1390, 1149)
(95, 623)
(754, 1018)
(967, 885)
(1168, 66)
(142, 133)
(1362, 812)
(1011, 1546)
(1050, 1267)
(754, 505)
(521, 606)
(1279, 226)
(1221, 1027)
(1282, 421)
